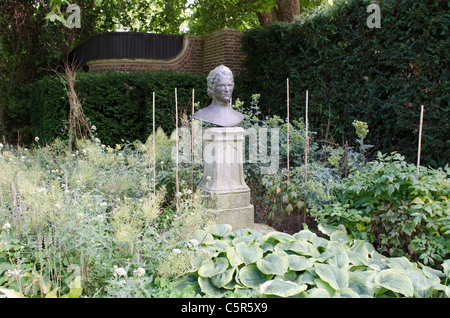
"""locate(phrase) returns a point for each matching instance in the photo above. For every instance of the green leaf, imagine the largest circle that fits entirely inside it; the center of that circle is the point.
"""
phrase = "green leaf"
(251, 276)
(233, 257)
(212, 268)
(220, 230)
(9, 293)
(75, 287)
(249, 254)
(209, 289)
(220, 280)
(361, 282)
(281, 288)
(273, 264)
(337, 278)
(279, 236)
(299, 263)
(299, 247)
(395, 280)
(340, 237)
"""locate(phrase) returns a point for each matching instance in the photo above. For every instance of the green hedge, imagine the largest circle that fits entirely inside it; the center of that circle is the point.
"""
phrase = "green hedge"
(379, 75)
(119, 104)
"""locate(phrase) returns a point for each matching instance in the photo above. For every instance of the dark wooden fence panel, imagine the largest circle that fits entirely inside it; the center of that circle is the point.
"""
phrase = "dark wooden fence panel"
(130, 45)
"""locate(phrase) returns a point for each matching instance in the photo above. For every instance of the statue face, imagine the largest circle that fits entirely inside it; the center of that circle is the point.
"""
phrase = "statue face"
(223, 90)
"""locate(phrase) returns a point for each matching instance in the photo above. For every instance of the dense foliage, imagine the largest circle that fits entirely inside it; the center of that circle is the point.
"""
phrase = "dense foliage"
(247, 262)
(119, 104)
(398, 209)
(381, 76)
(88, 223)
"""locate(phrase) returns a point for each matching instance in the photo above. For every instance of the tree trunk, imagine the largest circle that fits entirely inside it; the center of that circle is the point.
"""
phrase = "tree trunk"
(286, 11)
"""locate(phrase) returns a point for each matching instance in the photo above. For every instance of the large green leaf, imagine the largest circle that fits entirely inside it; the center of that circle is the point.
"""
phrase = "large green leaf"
(251, 276)
(299, 263)
(395, 280)
(208, 288)
(337, 278)
(233, 257)
(212, 268)
(220, 280)
(340, 257)
(340, 237)
(305, 235)
(421, 282)
(281, 288)
(299, 247)
(361, 282)
(279, 236)
(220, 230)
(273, 264)
(249, 254)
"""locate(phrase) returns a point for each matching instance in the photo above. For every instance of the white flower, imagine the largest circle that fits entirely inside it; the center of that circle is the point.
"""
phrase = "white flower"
(139, 272)
(6, 226)
(36, 138)
(97, 140)
(103, 204)
(193, 243)
(12, 273)
(119, 271)
(93, 127)
(58, 206)
(176, 251)
(100, 218)
(1, 145)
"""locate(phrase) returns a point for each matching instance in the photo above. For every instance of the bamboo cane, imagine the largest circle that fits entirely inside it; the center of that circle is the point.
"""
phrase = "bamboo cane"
(192, 142)
(306, 139)
(176, 142)
(420, 139)
(154, 147)
(287, 92)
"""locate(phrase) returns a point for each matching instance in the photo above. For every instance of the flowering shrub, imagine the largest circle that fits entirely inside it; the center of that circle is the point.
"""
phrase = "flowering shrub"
(87, 222)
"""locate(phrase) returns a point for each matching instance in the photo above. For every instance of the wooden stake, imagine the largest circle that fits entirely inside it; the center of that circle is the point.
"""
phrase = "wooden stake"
(192, 142)
(420, 139)
(154, 147)
(306, 139)
(287, 89)
(176, 142)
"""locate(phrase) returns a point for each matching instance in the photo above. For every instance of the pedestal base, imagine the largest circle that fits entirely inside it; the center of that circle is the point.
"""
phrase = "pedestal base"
(223, 186)
(238, 218)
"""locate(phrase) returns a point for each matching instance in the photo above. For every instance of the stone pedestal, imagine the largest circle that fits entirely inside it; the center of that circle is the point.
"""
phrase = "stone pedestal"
(223, 186)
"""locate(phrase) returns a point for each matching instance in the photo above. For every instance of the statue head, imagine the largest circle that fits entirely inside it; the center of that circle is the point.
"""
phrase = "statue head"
(220, 84)
(220, 88)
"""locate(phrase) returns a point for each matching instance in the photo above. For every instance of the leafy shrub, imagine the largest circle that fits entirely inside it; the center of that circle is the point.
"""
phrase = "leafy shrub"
(118, 103)
(400, 211)
(252, 264)
(381, 76)
(286, 192)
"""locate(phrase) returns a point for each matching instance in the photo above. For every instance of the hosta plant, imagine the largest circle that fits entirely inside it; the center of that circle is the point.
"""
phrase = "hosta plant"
(252, 264)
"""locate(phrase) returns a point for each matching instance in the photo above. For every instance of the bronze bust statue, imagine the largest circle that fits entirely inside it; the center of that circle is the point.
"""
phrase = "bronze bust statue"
(220, 88)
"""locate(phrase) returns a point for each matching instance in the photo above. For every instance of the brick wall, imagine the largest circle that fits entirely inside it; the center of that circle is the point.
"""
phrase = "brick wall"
(200, 54)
